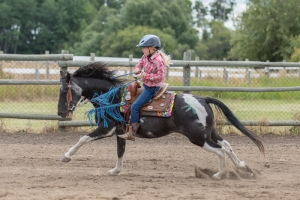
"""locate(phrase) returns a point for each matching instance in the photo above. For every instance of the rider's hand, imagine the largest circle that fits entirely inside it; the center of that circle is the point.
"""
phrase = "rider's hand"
(136, 71)
(142, 74)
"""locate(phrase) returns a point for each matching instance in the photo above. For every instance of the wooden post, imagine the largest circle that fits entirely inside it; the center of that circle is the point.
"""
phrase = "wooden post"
(64, 69)
(186, 70)
(197, 68)
(1, 52)
(92, 57)
(47, 67)
(284, 69)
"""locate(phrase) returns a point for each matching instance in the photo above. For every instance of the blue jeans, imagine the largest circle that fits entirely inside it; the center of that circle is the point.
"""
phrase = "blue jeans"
(144, 98)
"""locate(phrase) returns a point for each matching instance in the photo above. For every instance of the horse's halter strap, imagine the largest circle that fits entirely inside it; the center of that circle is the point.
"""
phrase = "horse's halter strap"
(69, 97)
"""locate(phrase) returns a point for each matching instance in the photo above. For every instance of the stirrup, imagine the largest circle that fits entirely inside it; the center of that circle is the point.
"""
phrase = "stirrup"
(128, 135)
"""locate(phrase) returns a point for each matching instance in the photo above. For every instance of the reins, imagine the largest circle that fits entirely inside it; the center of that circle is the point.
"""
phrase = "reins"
(69, 92)
(114, 77)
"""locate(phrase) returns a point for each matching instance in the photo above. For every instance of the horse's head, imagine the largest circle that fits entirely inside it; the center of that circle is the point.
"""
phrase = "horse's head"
(69, 94)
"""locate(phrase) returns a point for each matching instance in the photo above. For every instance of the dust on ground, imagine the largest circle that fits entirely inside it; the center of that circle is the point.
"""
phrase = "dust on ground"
(164, 168)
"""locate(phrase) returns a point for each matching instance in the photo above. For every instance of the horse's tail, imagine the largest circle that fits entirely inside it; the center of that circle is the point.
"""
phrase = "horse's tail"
(235, 122)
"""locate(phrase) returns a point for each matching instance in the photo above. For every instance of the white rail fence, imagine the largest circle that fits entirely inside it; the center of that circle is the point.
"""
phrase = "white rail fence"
(242, 69)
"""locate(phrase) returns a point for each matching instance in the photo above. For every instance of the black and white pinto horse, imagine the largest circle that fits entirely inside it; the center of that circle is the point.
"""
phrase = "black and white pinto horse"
(197, 123)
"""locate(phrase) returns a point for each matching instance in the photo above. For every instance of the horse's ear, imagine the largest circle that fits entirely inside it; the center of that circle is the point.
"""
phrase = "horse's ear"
(68, 77)
(62, 76)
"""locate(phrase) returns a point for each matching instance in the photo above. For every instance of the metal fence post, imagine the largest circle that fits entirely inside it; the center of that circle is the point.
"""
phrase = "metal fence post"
(197, 68)
(47, 67)
(37, 74)
(225, 75)
(186, 70)
(268, 71)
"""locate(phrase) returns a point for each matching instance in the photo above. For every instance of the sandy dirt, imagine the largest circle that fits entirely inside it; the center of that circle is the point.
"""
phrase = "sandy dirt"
(162, 168)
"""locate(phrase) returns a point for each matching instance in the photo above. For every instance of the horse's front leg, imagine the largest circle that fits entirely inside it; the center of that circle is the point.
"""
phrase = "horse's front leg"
(121, 150)
(99, 133)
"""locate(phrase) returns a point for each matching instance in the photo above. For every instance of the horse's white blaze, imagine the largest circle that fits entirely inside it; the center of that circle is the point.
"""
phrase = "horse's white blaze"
(221, 153)
(200, 110)
(115, 171)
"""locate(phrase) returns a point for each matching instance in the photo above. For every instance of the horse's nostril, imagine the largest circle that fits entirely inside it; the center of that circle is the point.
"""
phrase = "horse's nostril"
(59, 113)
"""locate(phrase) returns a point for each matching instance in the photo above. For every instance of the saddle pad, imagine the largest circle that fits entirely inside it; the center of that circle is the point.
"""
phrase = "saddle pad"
(165, 113)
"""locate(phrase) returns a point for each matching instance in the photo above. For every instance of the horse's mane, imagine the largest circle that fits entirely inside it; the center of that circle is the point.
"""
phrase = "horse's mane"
(97, 70)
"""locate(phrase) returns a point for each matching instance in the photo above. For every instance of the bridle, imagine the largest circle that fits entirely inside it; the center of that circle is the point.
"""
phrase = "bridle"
(69, 97)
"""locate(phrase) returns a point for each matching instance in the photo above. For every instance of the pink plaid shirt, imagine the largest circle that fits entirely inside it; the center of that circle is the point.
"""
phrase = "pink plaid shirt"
(154, 68)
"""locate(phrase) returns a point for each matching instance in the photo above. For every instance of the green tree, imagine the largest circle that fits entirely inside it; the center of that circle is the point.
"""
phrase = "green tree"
(173, 17)
(201, 13)
(218, 44)
(104, 24)
(295, 48)
(17, 25)
(265, 29)
(220, 9)
(123, 42)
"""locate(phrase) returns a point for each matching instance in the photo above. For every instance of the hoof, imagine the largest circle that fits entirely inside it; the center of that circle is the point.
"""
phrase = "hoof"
(218, 176)
(112, 172)
(248, 169)
(65, 159)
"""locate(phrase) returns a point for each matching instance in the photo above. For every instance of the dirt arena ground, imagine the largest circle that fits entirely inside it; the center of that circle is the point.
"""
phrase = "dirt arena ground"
(153, 169)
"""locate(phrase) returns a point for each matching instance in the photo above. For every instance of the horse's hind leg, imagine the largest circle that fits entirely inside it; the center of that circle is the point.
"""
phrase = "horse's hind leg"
(211, 146)
(96, 134)
(228, 149)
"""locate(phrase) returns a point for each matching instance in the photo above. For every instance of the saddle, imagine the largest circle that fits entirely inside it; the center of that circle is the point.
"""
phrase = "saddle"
(159, 103)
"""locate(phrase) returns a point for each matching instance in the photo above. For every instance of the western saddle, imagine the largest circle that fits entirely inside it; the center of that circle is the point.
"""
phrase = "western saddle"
(159, 102)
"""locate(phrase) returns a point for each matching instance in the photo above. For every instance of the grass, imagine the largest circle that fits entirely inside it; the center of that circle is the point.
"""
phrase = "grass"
(261, 110)
(263, 106)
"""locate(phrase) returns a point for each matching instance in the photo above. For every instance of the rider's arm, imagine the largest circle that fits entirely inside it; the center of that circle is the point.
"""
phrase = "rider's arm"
(159, 73)
(139, 66)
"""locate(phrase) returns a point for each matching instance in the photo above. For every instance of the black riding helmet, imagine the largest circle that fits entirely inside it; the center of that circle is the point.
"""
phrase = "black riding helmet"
(149, 41)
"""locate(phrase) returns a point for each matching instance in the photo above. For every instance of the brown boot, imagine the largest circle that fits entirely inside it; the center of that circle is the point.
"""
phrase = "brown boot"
(130, 135)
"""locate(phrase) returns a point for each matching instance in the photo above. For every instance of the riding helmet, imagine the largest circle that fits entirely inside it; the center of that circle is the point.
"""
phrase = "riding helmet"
(149, 41)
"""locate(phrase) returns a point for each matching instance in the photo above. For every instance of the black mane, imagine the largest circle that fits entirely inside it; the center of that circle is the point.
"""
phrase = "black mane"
(97, 70)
